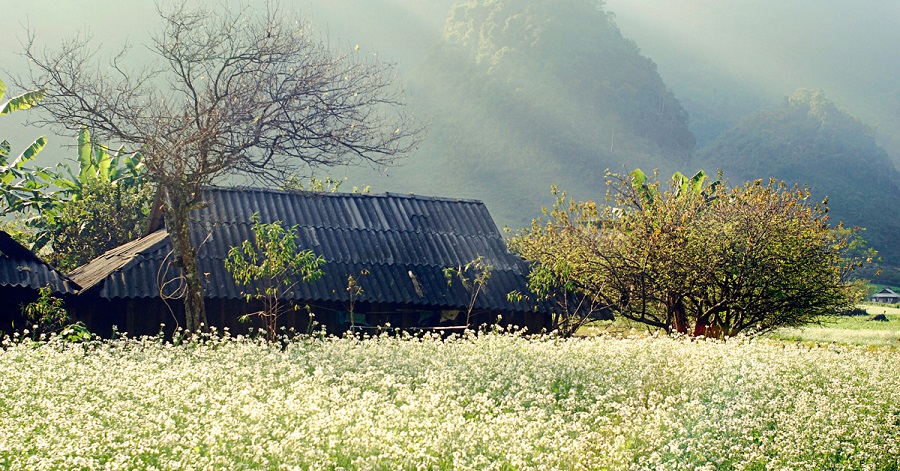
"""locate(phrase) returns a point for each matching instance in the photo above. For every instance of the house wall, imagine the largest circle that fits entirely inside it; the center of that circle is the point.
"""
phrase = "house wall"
(11, 301)
(151, 316)
(886, 299)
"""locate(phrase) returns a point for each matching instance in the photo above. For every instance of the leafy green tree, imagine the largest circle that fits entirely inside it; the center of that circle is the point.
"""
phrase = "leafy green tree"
(272, 266)
(574, 307)
(81, 215)
(698, 258)
(103, 206)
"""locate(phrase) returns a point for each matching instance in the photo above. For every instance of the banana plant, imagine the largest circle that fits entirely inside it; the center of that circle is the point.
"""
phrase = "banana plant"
(21, 187)
(97, 162)
(695, 185)
(648, 192)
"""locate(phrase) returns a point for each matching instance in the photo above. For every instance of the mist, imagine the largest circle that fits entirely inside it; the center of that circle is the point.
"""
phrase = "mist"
(726, 59)
(722, 61)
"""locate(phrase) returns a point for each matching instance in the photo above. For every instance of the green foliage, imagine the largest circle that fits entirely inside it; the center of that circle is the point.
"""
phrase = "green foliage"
(48, 316)
(80, 215)
(15, 180)
(574, 308)
(473, 276)
(272, 266)
(102, 217)
(698, 259)
(47, 311)
(19, 102)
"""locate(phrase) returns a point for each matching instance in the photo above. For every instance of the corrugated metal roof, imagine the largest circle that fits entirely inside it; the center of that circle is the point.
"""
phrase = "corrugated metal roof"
(394, 238)
(20, 267)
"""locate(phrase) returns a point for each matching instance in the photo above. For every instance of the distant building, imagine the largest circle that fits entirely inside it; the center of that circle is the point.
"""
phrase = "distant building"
(22, 273)
(397, 247)
(885, 296)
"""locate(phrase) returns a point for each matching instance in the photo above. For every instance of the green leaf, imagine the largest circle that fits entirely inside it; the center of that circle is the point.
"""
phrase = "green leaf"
(640, 178)
(103, 163)
(84, 148)
(22, 102)
(33, 149)
(2, 89)
(697, 182)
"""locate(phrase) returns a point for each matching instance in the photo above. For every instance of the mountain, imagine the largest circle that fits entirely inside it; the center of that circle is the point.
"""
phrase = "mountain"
(809, 140)
(524, 94)
(725, 60)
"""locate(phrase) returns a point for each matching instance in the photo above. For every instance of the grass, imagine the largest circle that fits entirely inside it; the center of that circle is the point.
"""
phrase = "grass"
(495, 402)
(850, 330)
(844, 330)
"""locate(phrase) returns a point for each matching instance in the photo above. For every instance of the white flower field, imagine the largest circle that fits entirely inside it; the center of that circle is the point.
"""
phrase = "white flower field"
(489, 402)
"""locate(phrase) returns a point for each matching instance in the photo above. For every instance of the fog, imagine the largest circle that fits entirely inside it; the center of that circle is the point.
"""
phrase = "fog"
(721, 59)
(761, 50)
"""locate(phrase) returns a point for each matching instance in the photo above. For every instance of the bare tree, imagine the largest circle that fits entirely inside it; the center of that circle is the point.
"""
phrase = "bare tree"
(232, 91)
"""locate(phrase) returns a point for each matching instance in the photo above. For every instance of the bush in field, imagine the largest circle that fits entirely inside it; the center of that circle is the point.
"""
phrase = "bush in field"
(697, 259)
(271, 266)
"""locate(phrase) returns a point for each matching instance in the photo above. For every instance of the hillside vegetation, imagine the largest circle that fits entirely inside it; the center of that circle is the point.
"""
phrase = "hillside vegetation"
(523, 94)
(809, 140)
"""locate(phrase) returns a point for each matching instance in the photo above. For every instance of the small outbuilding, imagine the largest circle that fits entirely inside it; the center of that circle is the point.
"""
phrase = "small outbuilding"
(397, 248)
(885, 296)
(22, 274)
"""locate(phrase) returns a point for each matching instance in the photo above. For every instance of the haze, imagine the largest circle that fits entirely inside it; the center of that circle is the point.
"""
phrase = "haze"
(722, 60)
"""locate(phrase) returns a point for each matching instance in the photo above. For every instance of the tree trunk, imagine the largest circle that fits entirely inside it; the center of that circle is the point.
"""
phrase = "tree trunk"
(677, 312)
(702, 327)
(176, 213)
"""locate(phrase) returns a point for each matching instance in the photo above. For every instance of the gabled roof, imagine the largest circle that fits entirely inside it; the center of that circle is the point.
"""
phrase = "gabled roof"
(886, 292)
(403, 242)
(20, 267)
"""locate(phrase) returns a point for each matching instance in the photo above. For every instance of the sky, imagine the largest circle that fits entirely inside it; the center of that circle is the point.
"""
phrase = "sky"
(769, 47)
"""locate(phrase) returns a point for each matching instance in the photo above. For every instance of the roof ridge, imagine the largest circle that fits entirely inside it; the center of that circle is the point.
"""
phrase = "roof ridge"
(418, 230)
(342, 194)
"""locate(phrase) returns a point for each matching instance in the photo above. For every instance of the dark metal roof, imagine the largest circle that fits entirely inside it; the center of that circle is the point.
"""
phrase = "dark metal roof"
(20, 267)
(403, 242)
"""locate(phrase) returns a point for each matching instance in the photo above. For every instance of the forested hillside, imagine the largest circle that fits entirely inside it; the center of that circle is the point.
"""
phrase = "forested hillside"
(725, 60)
(522, 94)
(808, 139)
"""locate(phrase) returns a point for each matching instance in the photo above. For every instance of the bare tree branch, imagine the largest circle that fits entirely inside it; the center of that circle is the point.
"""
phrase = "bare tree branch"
(234, 92)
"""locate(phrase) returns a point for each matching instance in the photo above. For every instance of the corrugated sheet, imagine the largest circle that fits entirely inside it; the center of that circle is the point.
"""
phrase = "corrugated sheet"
(118, 259)
(19, 267)
(402, 242)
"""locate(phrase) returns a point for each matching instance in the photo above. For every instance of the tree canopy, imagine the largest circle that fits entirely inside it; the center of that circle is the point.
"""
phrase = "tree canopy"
(697, 258)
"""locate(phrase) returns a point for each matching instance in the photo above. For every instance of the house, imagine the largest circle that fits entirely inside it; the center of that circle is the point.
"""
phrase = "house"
(22, 274)
(396, 247)
(885, 296)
